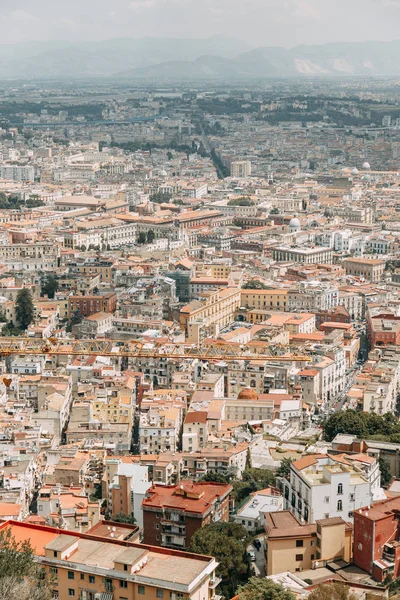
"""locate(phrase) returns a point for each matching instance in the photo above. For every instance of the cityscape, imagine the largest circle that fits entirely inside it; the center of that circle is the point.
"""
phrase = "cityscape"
(199, 312)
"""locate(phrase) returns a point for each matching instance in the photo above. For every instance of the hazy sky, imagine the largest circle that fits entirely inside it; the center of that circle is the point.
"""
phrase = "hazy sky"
(259, 22)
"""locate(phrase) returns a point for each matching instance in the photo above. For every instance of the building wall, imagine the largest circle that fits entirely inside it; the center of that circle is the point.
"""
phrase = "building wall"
(284, 555)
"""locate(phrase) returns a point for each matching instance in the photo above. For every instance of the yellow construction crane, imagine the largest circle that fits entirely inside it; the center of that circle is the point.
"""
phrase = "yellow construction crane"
(16, 346)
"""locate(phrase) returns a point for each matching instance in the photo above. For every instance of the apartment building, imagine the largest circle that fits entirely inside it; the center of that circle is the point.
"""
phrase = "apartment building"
(200, 319)
(353, 303)
(172, 514)
(312, 298)
(124, 485)
(87, 305)
(264, 299)
(89, 566)
(41, 256)
(113, 231)
(323, 486)
(295, 546)
(17, 172)
(67, 508)
(383, 326)
(159, 429)
(240, 168)
(371, 269)
(376, 539)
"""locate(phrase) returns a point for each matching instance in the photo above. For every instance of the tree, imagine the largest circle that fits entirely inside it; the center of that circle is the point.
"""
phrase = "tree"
(361, 424)
(20, 577)
(150, 236)
(384, 468)
(242, 201)
(24, 309)
(331, 591)
(275, 211)
(122, 518)
(50, 285)
(249, 463)
(142, 238)
(284, 468)
(161, 197)
(254, 284)
(263, 589)
(304, 204)
(228, 543)
(215, 477)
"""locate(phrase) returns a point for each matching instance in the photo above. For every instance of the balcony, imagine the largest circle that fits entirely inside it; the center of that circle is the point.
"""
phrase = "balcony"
(214, 581)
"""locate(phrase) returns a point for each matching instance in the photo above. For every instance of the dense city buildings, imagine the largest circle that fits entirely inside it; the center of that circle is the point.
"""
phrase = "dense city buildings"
(200, 333)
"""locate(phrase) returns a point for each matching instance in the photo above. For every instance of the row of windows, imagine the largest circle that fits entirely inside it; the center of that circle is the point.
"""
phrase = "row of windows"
(108, 584)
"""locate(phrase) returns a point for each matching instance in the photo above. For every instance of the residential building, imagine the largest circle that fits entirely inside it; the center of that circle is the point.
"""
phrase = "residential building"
(172, 514)
(89, 566)
(295, 546)
(324, 486)
(371, 269)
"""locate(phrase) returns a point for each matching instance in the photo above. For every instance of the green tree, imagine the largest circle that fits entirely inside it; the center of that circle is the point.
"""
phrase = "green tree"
(20, 577)
(304, 204)
(254, 284)
(142, 238)
(150, 236)
(50, 285)
(122, 518)
(284, 468)
(24, 309)
(228, 543)
(275, 211)
(361, 424)
(161, 197)
(384, 468)
(242, 201)
(263, 589)
(215, 477)
(331, 591)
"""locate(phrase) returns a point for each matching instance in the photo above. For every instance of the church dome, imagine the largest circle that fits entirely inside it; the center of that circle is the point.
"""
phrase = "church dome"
(295, 224)
(366, 166)
(248, 394)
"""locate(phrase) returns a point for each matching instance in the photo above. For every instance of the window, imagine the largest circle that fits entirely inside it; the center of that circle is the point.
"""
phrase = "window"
(71, 592)
(312, 556)
(53, 570)
(92, 578)
(108, 585)
(340, 505)
(340, 489)
(299, 543)
(141, 590)
(299, 557)
(71, 575)
(351, 514)
(123, 584)
(125, 567)
(160, 594)
(54, 551)
(326, 499)
(82, 575)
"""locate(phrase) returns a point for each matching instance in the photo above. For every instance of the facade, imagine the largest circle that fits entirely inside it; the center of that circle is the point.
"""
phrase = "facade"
(376, 539)
(92, 567)
(172, 514)
(371, 269)
(293, 546)
(324, 486)
(87, 305)
(41, 256)
(241, 168)
(307, 256)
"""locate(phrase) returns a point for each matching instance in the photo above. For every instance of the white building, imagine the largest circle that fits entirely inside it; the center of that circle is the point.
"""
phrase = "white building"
(323, 486)
(252, 514)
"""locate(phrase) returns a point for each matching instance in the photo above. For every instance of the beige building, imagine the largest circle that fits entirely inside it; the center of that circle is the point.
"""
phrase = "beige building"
(200, 319)
(241, 168)
(293, 547)
(371, 269)
(264, 299)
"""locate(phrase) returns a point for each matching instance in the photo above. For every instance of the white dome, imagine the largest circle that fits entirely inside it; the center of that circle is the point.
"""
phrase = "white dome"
(354, 171)
(366, 165)
(295, 224)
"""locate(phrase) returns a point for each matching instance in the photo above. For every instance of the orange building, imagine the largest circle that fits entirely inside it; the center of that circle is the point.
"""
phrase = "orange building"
(89, 567)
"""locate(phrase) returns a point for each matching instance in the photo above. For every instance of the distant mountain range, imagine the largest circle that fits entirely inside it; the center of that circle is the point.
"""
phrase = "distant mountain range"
(108, 57)
(180, 59)
(366, 58)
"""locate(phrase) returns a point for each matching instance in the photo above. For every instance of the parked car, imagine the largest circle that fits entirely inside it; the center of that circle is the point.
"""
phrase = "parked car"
(257, 544)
